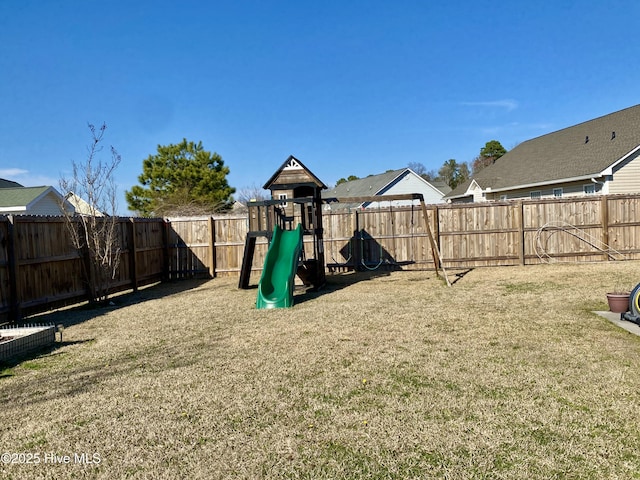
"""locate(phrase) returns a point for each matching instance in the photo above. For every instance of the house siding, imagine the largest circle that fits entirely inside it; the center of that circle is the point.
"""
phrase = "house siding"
(569, 189)
(406, 184)
(626, 176)
(48, 205)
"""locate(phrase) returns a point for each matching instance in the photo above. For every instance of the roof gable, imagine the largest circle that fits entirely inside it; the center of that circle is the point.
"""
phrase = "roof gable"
(81, 206)
(23, 199)
(362, 187)
(291, 172)
(377, 185)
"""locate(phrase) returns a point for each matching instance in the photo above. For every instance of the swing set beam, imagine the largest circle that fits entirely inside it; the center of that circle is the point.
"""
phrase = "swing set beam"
(435, 251)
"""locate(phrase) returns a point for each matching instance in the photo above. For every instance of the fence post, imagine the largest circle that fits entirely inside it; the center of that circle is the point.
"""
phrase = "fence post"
(12, 257)
(133, 270)
(604, 215)
(357, 245)
(520, 227)
(88, 262)
(166, 237)
(212, 247)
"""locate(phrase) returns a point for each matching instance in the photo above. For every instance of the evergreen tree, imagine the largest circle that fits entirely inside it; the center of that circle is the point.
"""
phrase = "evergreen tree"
(182, 179)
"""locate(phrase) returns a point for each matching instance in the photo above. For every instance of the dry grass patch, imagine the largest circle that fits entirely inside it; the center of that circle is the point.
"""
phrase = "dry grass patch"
(506, 375)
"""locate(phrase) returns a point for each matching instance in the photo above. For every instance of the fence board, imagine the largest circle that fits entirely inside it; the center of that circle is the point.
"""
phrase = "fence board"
(50, 269)
(480, 234)
(189, 247)
(6, 289)
(39, 268)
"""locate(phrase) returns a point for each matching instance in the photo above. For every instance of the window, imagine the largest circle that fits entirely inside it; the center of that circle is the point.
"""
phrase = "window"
(535, 194)
(557, 192)
(589, 189)
(283, 196)
(503, 197)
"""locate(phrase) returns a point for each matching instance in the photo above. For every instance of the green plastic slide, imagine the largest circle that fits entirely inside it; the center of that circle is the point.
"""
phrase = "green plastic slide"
(275, 289)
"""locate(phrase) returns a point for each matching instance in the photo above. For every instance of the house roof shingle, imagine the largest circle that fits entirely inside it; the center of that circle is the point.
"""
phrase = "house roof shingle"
(8, 183)
(16, 197)
(580, 151)
(363, 187)
(375, 185)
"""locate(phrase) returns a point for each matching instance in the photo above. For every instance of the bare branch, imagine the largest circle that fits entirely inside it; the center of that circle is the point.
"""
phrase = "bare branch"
(94, 226)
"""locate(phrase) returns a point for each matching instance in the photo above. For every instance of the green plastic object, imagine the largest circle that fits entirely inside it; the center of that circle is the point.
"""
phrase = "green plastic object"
(275, 289)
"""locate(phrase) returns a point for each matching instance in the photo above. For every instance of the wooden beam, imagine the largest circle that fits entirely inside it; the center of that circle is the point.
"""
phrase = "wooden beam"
(604, 213)
(520, 227)
(247, 260)
(212, 247)
(15, 313)
(375, 198)
(435, 251)
(133, 273)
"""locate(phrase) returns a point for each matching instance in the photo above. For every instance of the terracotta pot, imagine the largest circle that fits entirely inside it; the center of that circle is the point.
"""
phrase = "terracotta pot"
(618, 302)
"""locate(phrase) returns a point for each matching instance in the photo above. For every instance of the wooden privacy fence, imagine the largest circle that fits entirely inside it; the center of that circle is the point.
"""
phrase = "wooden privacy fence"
(39, 268)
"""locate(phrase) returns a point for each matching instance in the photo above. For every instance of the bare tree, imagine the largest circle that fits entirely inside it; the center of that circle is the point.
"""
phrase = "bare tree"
(252, 192)
(417, 167)
(431, 175)
(94, 226)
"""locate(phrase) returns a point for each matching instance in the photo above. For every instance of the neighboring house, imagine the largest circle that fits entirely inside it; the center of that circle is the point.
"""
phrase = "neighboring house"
(81, 206)
(393, 182)
(600, 156)
(32, 201)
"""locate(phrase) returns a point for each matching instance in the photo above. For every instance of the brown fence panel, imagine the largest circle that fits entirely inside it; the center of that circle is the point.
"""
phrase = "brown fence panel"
(474, 235)
(339, 239)
(149, 247)
(189, 247)
(6, 294)
(567, 230)
(419, 236)
(124, 277)
(48, 269)
(393, 237)
(229, 240)
(623, 222)
(230, 235)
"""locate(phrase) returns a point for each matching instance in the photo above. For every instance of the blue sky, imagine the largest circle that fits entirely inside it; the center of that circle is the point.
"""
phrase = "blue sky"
(348, 87)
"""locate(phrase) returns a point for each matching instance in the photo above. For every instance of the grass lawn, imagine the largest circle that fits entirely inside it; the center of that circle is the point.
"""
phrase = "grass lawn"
(506, 375)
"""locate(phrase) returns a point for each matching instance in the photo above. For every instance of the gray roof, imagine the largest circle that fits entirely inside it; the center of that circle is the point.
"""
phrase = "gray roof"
(8, 183)
(374, 185)
(584, 150)
(371, 185)
(440, 185)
